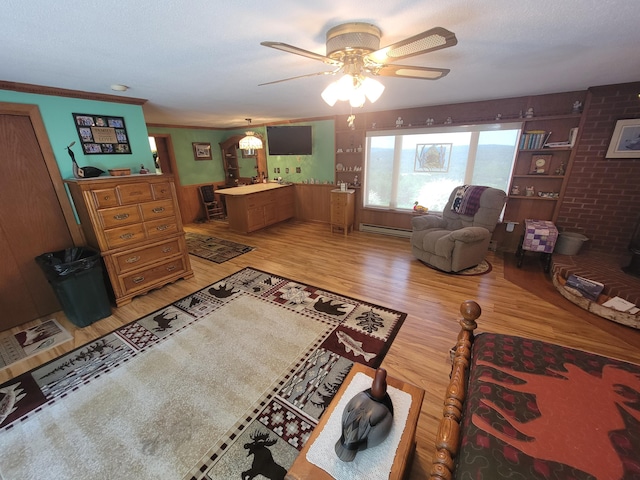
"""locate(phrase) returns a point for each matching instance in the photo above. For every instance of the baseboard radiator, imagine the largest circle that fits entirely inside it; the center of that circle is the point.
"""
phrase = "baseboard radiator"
(395, 232)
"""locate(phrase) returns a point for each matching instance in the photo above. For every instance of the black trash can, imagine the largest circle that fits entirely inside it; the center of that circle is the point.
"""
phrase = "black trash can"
(78, 282)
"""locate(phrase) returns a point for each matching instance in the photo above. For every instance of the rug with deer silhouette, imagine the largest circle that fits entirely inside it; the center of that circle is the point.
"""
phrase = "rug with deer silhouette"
(225, 383)
(215, 249)
(536, 410)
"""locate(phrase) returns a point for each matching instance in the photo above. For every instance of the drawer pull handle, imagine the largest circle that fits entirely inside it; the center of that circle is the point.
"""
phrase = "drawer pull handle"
(162, 227)
(167, 249)
(121, 216)
(106, 197)
(126, 236)
(158, 210)
(171, 268)
(138, 279)
(133, 259)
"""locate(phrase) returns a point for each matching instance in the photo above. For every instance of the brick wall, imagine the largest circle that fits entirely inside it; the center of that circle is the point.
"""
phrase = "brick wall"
(602, 199)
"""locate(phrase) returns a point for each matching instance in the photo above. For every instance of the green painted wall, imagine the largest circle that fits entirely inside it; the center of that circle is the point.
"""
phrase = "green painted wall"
(318, 166)
(58, 121)
(193, 171)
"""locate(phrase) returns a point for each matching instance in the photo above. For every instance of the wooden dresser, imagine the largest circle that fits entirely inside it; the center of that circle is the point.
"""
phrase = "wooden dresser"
(342, 209)
(135, 222)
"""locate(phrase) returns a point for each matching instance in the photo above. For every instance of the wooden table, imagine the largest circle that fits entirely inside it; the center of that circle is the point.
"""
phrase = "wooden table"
(304, 470)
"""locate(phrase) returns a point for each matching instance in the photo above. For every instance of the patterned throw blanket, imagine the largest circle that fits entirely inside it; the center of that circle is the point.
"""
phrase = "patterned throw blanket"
(467, 201)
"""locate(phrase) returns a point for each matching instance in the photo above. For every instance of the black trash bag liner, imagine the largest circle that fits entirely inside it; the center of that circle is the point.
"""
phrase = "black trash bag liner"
(68, 261)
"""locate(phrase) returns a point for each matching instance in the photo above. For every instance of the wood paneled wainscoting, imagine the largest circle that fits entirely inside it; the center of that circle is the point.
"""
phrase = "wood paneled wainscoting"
(381, 269)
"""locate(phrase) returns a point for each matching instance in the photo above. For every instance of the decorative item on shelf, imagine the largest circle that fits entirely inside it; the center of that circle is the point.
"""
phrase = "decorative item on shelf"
(351, 121)
(530, 192)
(573, 134)
(359, 148)
(515, 190)
(366, 419)
(499, 116)
(419, 208)
(448, 121)
(529, 112)
(577, 107)
(143, 170)
(355, 181)
(373, 125)
(561, 169)
(540, 164)
(430, 121)
(548, 194)
(399, 122)
(86, 172)
(119, 172)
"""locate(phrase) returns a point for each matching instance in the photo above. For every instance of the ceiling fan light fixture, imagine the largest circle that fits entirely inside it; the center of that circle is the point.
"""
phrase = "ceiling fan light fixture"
(372, 89)
(330, 94)
(353, 89)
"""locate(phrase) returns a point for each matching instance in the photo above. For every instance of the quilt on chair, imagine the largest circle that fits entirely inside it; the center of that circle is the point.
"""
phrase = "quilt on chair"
(541, 411)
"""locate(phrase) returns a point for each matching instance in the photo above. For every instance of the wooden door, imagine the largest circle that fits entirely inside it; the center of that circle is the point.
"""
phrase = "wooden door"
(31, 223)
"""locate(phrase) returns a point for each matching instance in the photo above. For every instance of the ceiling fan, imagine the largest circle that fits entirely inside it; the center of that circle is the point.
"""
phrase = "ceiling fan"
(353, 49)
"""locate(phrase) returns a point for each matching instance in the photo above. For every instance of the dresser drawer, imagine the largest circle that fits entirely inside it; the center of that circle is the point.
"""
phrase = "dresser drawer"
(161, 190)
(118, 216)
(159, 209)
(152, 275)
(134, 193)
(104, 198)
(118, 237)
(161, 227)
(134, 259)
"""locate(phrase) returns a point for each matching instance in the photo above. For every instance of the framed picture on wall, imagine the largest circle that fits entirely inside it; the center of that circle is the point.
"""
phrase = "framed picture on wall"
(102, 134)
(202, 151)
(625, 141)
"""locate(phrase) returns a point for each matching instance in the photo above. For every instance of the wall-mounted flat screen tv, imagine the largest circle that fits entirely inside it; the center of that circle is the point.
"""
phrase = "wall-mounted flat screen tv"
(289, 140)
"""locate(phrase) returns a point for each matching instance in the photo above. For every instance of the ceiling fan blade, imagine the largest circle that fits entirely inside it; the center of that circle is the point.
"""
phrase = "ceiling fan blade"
(333, 72)
(424, 42)
(299, 51)
(409, 71)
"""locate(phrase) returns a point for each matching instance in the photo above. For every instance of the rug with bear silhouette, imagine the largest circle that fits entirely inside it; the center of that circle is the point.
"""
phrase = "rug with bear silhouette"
(228, 382)
(215, 249)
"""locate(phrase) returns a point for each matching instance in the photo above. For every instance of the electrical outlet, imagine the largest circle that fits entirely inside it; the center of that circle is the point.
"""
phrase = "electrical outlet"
(493, 245)
(298, 170)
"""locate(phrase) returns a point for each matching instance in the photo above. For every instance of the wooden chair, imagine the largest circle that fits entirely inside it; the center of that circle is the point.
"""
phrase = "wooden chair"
(212, 208)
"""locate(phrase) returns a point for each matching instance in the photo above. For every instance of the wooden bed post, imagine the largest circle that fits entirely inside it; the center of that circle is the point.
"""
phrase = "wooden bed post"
(448, 436)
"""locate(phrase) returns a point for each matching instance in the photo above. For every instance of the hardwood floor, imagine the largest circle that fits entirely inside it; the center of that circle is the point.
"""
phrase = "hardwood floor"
(381, 270)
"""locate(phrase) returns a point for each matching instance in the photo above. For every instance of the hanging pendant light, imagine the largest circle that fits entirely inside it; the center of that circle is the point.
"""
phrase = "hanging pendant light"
(250, 141)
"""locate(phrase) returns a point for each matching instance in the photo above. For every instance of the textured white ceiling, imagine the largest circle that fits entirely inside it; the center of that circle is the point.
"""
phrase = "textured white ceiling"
(199, 62)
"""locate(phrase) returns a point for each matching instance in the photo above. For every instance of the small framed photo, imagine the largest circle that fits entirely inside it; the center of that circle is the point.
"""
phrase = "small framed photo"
(540, 164)
(202, 151)
(625, 141)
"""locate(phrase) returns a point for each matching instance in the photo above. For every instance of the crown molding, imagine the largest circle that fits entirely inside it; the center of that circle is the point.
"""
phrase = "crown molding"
(63, 92)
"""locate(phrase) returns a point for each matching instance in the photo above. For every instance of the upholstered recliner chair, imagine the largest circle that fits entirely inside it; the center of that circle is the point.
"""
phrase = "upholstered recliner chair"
(459, 238)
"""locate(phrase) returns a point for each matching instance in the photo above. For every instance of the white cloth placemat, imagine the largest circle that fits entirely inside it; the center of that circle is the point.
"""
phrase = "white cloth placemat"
(373, 463)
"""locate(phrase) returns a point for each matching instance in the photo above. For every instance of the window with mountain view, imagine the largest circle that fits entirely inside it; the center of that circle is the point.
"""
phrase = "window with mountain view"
(425, 165)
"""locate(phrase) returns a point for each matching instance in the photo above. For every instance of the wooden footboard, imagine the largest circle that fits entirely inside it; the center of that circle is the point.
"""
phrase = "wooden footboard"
(448, 435)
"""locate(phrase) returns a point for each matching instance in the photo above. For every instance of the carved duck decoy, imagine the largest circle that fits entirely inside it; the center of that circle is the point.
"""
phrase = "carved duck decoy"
(366, 419)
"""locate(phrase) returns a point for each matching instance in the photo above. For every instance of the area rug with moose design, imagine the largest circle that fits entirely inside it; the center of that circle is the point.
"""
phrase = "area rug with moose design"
(227, 383)
(536, 410)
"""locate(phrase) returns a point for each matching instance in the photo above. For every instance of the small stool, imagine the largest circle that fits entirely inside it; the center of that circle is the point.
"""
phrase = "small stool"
(539, 236)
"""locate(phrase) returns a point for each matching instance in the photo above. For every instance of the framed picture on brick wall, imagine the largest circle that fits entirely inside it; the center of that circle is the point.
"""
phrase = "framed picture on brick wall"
(625, 141)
